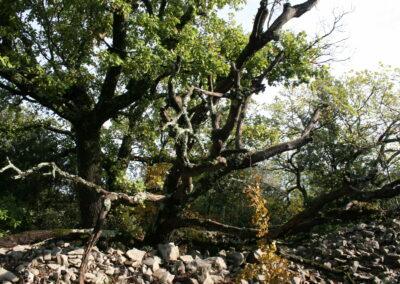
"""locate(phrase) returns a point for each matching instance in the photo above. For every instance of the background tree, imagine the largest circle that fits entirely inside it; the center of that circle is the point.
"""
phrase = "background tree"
(28, 138)
(354, 155)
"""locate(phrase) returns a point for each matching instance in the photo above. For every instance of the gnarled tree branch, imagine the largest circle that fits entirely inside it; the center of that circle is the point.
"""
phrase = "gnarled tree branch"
(51, 169)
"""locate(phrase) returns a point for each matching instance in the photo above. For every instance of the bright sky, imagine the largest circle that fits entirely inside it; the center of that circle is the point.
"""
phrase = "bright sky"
(372, 29)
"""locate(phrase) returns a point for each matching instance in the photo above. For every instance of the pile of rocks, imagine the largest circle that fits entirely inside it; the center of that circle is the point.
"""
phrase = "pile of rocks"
(59, 263)
(362, 253)
(365, 253)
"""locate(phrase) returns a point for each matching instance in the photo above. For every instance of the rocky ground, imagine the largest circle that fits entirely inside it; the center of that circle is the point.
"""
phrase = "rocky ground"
(362, 253)
(59, 263)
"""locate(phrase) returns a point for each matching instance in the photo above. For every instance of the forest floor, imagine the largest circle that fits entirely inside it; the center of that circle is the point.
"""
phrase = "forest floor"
(366, 252)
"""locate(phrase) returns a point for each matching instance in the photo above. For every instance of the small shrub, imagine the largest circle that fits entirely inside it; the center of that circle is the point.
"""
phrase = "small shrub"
(272, 267)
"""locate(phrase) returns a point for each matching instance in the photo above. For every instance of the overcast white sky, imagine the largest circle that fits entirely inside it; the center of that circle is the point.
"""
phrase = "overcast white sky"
(372, 28)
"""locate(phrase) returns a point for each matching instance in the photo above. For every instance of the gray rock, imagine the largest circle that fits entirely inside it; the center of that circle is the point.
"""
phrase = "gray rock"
(136, 256)
(374, 244)
(178, 268)
(195, 253)
(222, 253)
(208, 280)
(339, 260)
(295, 280)
(53, 266)
(110, 271)
(217, 262)
(101, 278)
(152, 262)
(376, 280)
(21, 248)
(361, 226)
(328, 265)
(6, 275)
(62, 259)
(202, 264)
(254, 257)
(204, 277)
(163, 276)
(186, 258)
(338, 252)
(169, 251)
(355, 266)
(148, 275)
(261, 278)
(56, 251)
(34, 271)
(217, 278)
(89, 276)
(392, 260)
(368, 233)
(47, 255)
(75, 262)
(3, 251)
(28, 276)
(79, 251)
(191, 267)
(235, 258)
(396, 223)
(20, 268)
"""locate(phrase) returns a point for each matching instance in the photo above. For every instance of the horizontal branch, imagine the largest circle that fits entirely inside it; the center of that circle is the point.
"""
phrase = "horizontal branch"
(54, 170)
(217, 226)
(31, 237)
(211, 165)
(262, 155)
(60, 131)
(209, 93)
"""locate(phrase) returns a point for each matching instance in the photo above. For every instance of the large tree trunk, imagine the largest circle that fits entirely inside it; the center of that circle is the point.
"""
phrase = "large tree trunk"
(166, 221)
(169, 210)
(89, 168)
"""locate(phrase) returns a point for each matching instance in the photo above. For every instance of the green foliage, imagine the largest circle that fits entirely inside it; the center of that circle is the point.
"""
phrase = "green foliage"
(10, 215)
(36, 203)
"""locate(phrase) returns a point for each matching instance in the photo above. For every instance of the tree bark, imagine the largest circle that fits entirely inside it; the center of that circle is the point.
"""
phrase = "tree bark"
(89, 168)
(169, 210)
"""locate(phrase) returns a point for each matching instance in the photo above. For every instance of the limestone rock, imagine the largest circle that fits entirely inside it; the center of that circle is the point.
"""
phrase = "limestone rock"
(186, 258)
(163, 276)
(236, 258)
(152, 262)
(6, 275)
(178, 268)
(169, 251)
(217, 262)
(53, 266)
(296, 280)
(136, 256)
(392, 260)
(79, 251)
